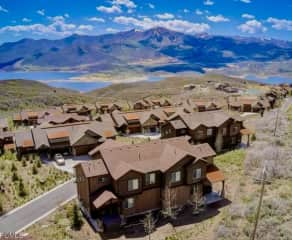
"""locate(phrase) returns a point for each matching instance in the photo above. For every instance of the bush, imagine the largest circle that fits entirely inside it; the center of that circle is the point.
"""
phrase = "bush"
(13, 168)
(76, 220)
(14, 177)
(1, 208)
(34, 170)
(21, 189)
(39, 163)
(23, 163)
(253, 137)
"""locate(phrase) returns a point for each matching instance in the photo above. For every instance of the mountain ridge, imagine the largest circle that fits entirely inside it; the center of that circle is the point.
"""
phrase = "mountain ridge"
(108, 51)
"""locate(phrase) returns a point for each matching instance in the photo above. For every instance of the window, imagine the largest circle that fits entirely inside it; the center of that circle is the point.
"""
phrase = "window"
(224, 131)
(150, 178)
(235, 129)
(133, 184)
(101, 179)
(197, 173)
(175, 177)
(129, 203)
(233, 140)
(209, 132)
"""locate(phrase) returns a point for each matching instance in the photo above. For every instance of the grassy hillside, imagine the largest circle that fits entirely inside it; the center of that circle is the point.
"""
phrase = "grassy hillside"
(171, 86)
(22, 94)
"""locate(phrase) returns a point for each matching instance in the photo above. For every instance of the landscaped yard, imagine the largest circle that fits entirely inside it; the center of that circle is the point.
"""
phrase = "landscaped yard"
(21, 181)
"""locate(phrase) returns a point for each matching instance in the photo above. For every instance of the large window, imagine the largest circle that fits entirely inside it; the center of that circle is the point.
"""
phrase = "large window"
(175, 176)
(224, 131)
(197, 173)
(129, 203)
(234, 129)
(133, 184)
(150, 178)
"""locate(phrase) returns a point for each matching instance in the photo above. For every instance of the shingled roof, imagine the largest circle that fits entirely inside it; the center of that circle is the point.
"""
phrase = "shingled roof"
(93, 168)
(157, 155)
(24, 139)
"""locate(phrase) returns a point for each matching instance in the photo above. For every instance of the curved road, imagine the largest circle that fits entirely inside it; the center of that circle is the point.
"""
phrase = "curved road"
(21, 218)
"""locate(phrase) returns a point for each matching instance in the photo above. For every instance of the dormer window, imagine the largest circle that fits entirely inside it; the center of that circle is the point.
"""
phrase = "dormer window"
(133, 184)
(150, 178)
(197, 173)
(209, 132)
(176, 177)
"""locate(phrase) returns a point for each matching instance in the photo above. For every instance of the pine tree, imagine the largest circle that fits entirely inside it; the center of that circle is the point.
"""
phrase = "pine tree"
(14, 177)
(21, 189)
(13, 168)
(23, 162)
(39, 163)
(76, 220)
(34, 170)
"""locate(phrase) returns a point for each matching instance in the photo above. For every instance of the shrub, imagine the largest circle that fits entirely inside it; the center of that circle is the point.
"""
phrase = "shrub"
(253, 137)
(34, 170)
(1, 207)
(13, 168)
(21, 190)
(23, 163)
(76, 220)
(39, 163)
(14, 177)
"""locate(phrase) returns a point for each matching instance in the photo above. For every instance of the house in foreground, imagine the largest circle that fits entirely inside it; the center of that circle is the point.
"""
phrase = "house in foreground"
(217, 128)
(126, 181)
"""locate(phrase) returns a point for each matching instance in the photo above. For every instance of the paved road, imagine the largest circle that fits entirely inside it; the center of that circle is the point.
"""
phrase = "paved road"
(21, 218)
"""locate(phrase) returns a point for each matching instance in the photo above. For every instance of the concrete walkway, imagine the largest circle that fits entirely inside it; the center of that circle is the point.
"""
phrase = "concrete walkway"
(24, 216)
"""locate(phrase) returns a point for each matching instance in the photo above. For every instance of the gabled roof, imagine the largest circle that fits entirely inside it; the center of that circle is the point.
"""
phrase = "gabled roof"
(208, 119)
(93, 168)
(24, 139)
(104, 198)
(157, 155)
(40, 138)
(178, 124)
(108, 144)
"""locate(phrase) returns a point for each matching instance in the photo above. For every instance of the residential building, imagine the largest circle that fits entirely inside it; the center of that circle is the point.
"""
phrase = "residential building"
(130, 180)
(216, 128)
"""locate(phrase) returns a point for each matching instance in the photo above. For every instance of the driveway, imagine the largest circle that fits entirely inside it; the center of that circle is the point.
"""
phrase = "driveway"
(70, 162)
(21, 218)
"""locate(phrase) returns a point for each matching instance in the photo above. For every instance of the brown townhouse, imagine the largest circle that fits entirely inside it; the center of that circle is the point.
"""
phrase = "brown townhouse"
(80, 109)
(62, 118)
(202, 105)
(130, 180)
(31, 118)
(6, 141)
(147, 121)
(216, 128)
(248, 104)
(151, 103)
(103, 108)
(74, 138)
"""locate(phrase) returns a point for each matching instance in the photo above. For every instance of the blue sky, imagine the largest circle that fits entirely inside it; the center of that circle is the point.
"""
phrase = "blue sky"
(55, 19)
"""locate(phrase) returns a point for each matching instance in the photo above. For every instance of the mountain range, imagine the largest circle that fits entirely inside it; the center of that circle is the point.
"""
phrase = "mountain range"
(151, 50)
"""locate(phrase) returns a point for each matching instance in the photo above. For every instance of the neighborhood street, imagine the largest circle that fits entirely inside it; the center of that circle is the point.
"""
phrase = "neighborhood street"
(24, 216)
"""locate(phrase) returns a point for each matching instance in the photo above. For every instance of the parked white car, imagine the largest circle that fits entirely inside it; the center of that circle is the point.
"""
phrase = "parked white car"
(60, 160)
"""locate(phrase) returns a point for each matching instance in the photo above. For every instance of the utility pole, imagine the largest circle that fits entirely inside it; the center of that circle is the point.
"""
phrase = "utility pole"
(276, 123)
(263, 181)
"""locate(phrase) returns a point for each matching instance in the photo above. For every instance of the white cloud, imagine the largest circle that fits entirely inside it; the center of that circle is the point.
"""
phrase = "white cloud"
(66, 15)
(126, 3)
(165, 16)
(151, 5)
(199, 12)
(218, 18)
(280, 24)
(26, 20)
(112, 9)
(2, 9)
(57, 27)
(252, 26)
(85, 27)
(245, 1)
(186, 10)
(174, 24)
(112, 30)
(208, 2)
(41, 12)
(247, 16)
(96, 19)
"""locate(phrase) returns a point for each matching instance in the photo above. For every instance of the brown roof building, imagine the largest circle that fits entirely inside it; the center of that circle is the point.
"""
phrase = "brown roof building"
(131, 180)
(216, 128)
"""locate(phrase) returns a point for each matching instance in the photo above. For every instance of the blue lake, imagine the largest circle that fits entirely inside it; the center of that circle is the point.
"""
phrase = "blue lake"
(270, 80)
(63, 79)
